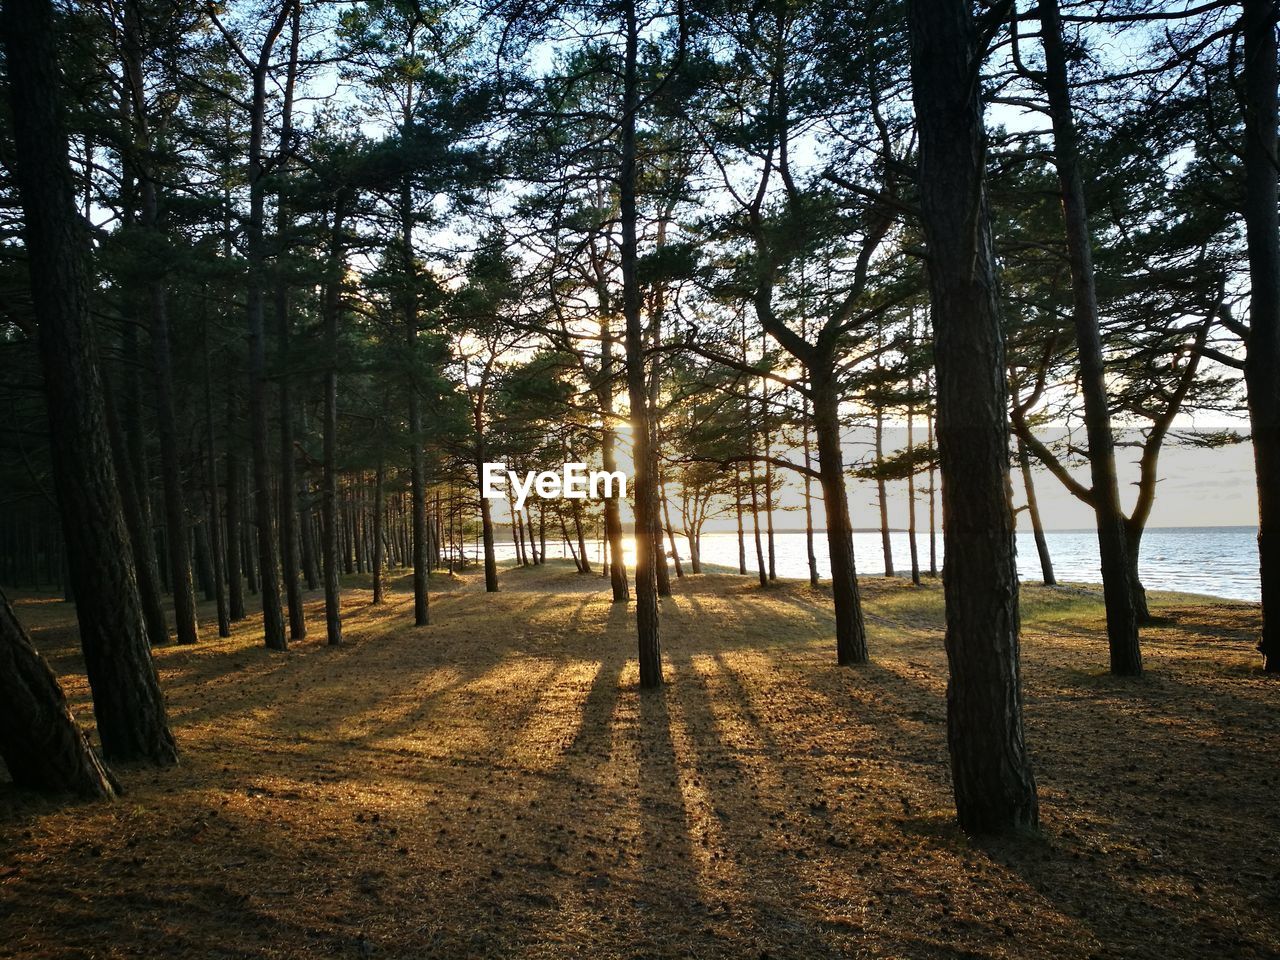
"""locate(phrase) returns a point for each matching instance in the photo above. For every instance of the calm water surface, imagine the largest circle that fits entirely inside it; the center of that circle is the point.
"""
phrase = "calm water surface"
(1220, 561)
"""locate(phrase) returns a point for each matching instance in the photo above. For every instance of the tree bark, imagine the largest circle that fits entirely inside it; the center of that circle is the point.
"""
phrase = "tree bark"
(1033, 513)
(644, 496)
(1122, 626)
(851, 630)
(128, 704)
(329, 503)
(40, 741)
(235, 533)
(1262, 357)
(268, 564)
(991, 774)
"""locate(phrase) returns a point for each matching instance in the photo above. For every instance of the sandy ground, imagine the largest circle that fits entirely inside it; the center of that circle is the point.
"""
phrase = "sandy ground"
(496, 785)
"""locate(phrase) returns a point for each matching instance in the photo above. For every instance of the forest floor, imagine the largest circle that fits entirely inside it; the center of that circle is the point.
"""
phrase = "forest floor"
(496, 785)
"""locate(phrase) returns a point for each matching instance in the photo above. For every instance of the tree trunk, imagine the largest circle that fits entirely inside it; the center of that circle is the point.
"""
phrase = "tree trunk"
(1133, 550)
(886, 543)
(379, 526)
(1033, 512)
(645, 481)
(176, 522)
(214, 512)
(851, 630)
(991, 774)
(329, 503)
(143, 548)
(235, 531)
(486, 535)
(671, 533)
(40, 741)
(268, 563)
(742, 532)
(761, 571)
(128, 704)
(1262, 358)
(1122, 627)
(808, 496)
(911, 497)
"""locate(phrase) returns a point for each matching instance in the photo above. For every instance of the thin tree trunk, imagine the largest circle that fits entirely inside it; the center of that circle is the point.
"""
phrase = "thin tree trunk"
(268, 563)
(810, 552)
(761, 570)
(886, 542)
(742, 533)
(1122, 627)
(379, 526)
(645, 480)
(128, 703)
(1033, 513)
(235, 575)
(990, 771)
(329, 504)
(911, 495)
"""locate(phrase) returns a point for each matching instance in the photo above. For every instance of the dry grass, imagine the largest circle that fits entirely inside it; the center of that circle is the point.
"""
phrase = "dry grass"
(496, 785)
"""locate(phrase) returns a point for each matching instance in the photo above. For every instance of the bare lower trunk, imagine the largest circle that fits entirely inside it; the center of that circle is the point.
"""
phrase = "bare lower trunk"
(851, 631)
(991, 774)
(1262, 359)
(1122, 628)
(645, 479)
(490, 557)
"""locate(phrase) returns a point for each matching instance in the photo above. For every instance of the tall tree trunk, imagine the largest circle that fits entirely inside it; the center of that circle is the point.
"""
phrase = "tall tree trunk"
(214, 512)
(268, 564)
(417, 457)
(1262, 356)
(379, 526)
(645, 481)
(1033, 513)
(582, 540)
(128, 703)
(991, 773)
(1122, 626)
(486, 535)
(40, 741)
(851, 630)
(1133, 549)
(176, 522)
(329, 504)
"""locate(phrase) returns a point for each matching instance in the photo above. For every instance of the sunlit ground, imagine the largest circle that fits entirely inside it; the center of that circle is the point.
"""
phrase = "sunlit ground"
(496, 785)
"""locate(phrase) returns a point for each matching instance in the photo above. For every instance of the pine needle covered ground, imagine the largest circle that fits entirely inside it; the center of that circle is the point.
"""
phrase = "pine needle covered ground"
(496, 785)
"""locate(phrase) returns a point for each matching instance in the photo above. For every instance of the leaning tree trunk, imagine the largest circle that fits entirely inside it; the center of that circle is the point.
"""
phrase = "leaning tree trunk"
(40, 741)
(1262, 357)
(128, 704)
(991, 774)
(851, 630)
(1133, 552)
(1122, 626)
(645, 481)
(1033, 513)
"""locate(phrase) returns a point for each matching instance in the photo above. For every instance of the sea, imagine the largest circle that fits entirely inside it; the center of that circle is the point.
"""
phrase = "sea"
(1215, 561)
